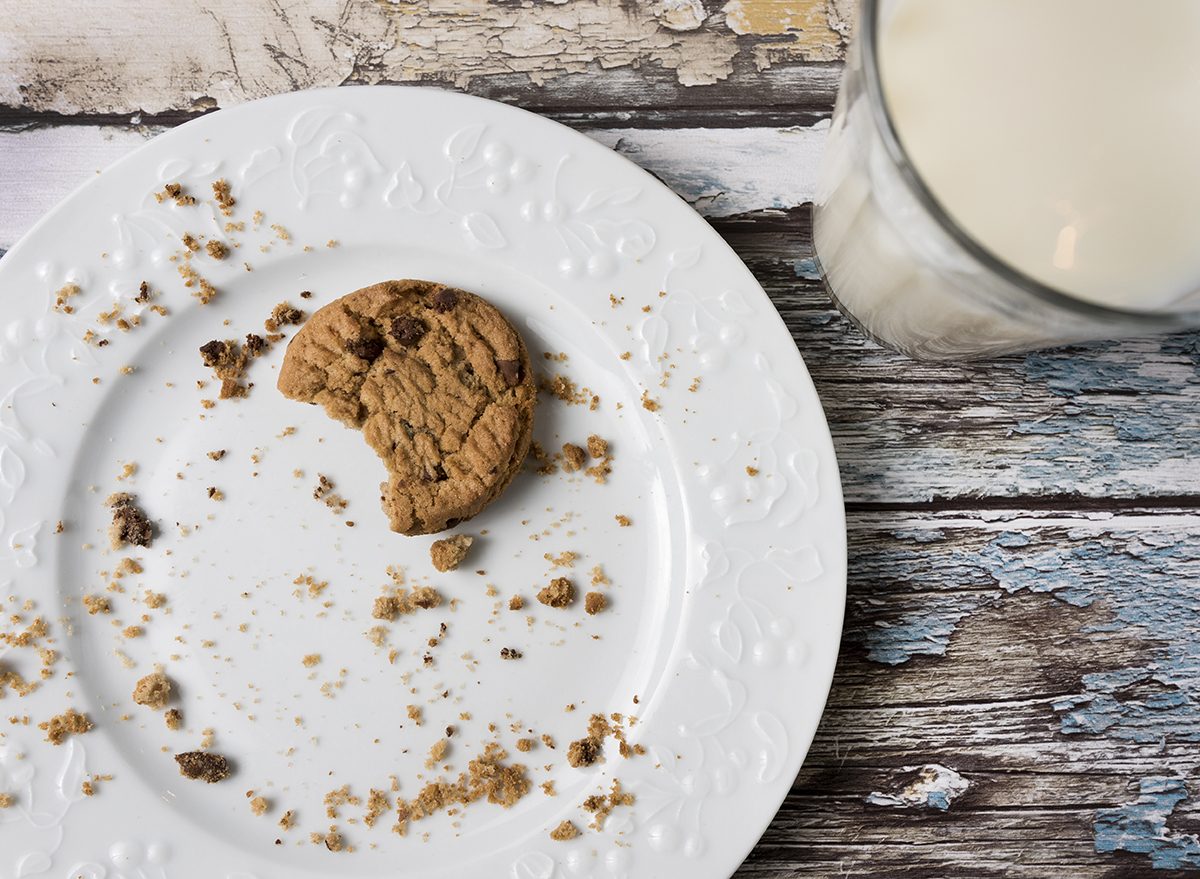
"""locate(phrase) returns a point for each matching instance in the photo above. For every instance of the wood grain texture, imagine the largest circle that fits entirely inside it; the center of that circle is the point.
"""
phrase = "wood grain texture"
(44, 164)
(1019, 682)
(112, 58)
(1046, 661)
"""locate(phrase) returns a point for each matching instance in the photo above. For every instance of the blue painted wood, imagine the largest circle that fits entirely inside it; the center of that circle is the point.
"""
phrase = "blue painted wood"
(1141, 826)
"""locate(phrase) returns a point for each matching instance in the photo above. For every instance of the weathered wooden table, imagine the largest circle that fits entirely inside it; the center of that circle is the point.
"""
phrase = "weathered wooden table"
(1020, 675)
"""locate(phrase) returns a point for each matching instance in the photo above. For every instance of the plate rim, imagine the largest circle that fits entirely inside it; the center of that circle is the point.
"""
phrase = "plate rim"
(796, 367)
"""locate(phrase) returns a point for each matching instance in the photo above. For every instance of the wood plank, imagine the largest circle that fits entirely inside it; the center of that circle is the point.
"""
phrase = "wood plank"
(112, 58)
(707, 167)
(1093, 425)
(1057, 699)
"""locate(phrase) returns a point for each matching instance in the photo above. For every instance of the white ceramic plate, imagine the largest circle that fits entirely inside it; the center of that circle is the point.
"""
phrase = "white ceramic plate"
(727, 589)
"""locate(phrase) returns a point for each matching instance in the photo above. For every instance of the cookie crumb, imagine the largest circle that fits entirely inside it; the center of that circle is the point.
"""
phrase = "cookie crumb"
(516, 602)
(623, 521)
(526, 745)
(173, 719)
(560, 593)
(223, 195)
(324, 492)
(447, 554)
(97, 604)
(565, 559)
(203, 766)
(415, 714)
(215, 493)
(153, 691)
(594, 602)
(259, 805)
(602, 806)
(377, 806)
(597, 447)
(751, 471)
(216, 249)
(130, 525)
(65, 293)
(585, 751)
(7, 801)
(510, 653)
(573, 457)
(288, 820)
(649, 403)
(175, 192)
(217, 454)
(283, 314)
(487, 777)
(388, 607)
(62, 726)
(564, 831)
(436, 753)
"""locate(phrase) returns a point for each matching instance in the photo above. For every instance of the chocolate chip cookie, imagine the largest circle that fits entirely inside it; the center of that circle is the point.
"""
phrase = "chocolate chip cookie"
(438, 382)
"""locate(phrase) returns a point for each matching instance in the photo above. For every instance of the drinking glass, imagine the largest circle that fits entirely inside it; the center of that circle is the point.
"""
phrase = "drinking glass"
(898, 266)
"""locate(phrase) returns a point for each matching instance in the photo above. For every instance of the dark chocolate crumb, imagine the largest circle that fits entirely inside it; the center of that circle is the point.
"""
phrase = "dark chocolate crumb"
(255, 344)
(214, 352)
(203, 766)
(129, 524)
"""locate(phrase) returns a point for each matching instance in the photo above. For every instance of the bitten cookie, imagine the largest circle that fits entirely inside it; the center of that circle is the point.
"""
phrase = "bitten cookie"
(440, 385)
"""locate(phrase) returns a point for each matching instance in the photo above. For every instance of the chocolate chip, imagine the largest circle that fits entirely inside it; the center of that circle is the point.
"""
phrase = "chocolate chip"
(445, 299)
(511, 370)
(213, 351)
(368, 347)
(255, 344)
(436, 473)
(306, 294)
(408, 330)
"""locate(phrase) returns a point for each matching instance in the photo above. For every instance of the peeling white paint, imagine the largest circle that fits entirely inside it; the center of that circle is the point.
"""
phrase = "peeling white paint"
(113, 58)
(720, 171)
(728, 171)
(935, 787)
(679, 15)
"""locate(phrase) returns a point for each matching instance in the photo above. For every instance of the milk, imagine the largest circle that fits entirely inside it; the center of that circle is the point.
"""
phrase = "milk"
(1063, 136)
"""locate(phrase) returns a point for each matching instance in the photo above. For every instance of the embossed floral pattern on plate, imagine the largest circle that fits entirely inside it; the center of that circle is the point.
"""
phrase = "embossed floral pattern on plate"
(736, 438)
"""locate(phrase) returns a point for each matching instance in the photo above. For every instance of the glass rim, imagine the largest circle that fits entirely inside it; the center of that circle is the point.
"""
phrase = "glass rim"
(868, 31)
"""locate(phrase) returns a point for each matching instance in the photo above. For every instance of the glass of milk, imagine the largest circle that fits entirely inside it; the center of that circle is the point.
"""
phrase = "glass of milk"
(1003, 175)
